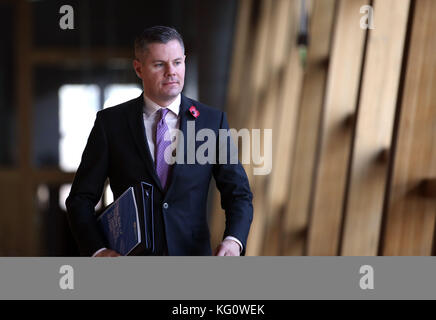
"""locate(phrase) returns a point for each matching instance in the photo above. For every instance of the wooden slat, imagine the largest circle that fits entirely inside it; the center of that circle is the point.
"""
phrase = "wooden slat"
(260, 62)
(278, 114)
(410, 220)
(24, 235)
(297, 207)
(10, 200)
(257, 86)
(374, 127)
(52, 176)
(255, 70)
(281, 35)
(282, 108)
(342, 90)
(10, 224)
(240, 60)
(428, 188)
(278, 188)
(9, 175)
(235, 107)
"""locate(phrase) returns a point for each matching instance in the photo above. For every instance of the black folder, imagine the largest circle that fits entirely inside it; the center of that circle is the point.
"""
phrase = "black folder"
(128, 223)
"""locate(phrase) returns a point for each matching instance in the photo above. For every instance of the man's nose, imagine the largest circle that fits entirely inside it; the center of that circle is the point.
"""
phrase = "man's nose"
(170, 70)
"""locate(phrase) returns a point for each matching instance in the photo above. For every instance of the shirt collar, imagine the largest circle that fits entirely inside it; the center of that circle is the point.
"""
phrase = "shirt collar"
(152, 107)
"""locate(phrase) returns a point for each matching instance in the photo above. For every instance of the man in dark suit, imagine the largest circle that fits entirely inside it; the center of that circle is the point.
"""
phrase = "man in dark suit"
(127, 146)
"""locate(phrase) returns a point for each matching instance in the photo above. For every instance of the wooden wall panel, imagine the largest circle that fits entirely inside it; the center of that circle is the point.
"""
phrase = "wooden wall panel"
(236, 108)
(25, 226)
(266, 105)
(238, 72)
(257, 62)
(9, 218)
(279, 112)
(338, 186)
(12, 233)
(374, 125)
(296, 208)
(283, 141)
(410, 220)
(340, 105)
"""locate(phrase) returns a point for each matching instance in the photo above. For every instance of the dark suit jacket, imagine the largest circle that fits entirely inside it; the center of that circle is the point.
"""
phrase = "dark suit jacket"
(117, 149)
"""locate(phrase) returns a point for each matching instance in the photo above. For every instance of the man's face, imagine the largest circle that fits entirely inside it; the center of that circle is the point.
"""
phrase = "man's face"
(162, 70)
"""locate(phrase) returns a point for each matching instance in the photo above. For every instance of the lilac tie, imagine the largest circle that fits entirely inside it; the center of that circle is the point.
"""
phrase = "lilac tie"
(162, 167)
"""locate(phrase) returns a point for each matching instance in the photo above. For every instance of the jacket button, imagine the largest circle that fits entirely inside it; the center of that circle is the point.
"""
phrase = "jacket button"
(165, 205)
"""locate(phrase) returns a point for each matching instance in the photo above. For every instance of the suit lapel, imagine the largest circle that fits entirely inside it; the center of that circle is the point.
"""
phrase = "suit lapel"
(136, 123)
(185, 116)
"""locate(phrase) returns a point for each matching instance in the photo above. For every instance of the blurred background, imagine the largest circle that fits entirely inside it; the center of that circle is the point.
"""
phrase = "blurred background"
(347, 87)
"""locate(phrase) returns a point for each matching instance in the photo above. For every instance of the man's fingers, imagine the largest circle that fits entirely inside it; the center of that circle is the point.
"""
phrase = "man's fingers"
(228, 248)
(108, 253)
(223, 251)
(114, 254)
(220, 251)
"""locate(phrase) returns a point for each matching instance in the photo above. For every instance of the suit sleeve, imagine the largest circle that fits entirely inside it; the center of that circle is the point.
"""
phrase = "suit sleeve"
(236, 196)
(87, 189)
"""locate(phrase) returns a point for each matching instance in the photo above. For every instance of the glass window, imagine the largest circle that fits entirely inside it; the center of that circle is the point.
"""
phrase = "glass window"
(78, 105)
(118, 93)
(64, 192)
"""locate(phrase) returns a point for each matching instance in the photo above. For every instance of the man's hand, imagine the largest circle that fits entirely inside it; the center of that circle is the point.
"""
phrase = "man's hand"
(107, 253)
(228, 248)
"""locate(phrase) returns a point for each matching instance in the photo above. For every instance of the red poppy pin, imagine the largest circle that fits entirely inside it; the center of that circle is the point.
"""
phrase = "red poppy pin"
(195, 113)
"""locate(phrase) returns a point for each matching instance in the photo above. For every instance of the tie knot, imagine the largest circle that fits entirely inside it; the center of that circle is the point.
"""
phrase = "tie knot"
(163, 112)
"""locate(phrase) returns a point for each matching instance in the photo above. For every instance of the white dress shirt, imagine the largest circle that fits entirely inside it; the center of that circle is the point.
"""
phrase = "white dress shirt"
(150, 116)
(172, 120)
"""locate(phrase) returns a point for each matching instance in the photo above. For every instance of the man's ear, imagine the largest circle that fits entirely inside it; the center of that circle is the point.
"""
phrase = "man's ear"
(137, 66)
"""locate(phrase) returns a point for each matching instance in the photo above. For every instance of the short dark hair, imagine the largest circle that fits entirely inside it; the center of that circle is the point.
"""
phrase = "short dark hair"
(159, 34)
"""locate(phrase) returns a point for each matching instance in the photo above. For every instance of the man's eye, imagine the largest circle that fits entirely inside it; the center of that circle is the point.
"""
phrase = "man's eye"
(158, 65)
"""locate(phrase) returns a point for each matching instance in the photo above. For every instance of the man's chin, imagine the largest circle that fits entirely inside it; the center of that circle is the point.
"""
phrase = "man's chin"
(170, 94)
(167, 97)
